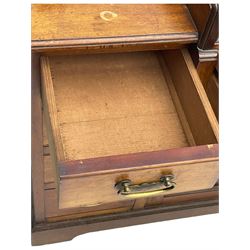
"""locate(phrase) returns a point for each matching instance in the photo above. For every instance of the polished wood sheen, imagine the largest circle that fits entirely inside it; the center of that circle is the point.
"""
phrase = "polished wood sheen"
(206, 19)
(88, 26)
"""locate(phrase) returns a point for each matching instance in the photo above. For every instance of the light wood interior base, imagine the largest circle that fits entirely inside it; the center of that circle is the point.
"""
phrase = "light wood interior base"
(111, 104)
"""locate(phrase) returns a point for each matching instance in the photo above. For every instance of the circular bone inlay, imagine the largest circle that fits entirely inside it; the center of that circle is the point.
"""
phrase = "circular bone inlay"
(108, 15)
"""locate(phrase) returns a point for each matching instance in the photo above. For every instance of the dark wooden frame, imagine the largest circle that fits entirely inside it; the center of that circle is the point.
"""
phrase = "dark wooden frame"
(205, 54)
(206, 18)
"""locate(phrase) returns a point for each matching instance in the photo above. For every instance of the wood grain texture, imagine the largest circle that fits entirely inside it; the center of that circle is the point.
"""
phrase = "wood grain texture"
(139, 203)
(106, 110)
(137, 161)
(200, 15)
(67, 230)
(198, 111)
(110, 105)
(74, 192)
(94, 104)
(96, 220)
(51, 109)
(53, 213)
(177, 102)
(36, 142)
(210, 36)
(49, 172)
(109, 48)
(205, 70)
(45, 134)
(170, 200)
(206, 19)
(212, 90)
(85, 24)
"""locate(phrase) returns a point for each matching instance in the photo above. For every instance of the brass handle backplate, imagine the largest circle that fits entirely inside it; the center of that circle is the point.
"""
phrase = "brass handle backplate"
(126, 188)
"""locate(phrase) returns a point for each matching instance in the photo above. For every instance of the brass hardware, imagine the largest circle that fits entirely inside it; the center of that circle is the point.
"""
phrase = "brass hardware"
(126, 188)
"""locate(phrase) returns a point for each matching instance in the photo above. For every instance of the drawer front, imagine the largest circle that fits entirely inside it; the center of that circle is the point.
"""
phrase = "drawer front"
(98, 189)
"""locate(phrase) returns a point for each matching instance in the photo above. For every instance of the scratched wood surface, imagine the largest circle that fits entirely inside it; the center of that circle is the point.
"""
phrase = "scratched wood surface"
(74, 24)
(110, 104)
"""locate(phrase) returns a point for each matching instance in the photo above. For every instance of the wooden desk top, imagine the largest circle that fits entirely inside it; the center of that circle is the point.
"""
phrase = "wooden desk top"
(70, 25)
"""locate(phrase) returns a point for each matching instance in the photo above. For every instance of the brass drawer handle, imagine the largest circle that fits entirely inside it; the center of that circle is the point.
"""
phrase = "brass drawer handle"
(126, 188)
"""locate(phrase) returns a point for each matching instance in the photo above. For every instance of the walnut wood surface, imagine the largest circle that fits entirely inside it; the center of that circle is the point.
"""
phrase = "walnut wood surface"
(200, 15)
(67, 25)
(205, 70)
(206, 19)
(210, 38)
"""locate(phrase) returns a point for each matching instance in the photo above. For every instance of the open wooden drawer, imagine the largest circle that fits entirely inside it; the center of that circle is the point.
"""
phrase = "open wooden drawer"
(128, 125)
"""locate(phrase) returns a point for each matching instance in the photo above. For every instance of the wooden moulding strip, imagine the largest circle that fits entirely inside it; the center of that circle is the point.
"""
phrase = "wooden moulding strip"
(126, 40)
(128, 214)
(67, 230)
(137, 160)
(56, 232)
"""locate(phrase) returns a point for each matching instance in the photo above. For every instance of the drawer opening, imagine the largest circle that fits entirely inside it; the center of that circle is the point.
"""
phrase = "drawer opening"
(123, 103)
(136, 115)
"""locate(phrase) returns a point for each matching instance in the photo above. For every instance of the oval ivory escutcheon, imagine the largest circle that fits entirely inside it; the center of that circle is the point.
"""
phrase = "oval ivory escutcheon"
(108, 15)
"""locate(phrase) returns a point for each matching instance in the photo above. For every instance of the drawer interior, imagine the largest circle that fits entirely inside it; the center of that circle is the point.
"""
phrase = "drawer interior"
(122, 103)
